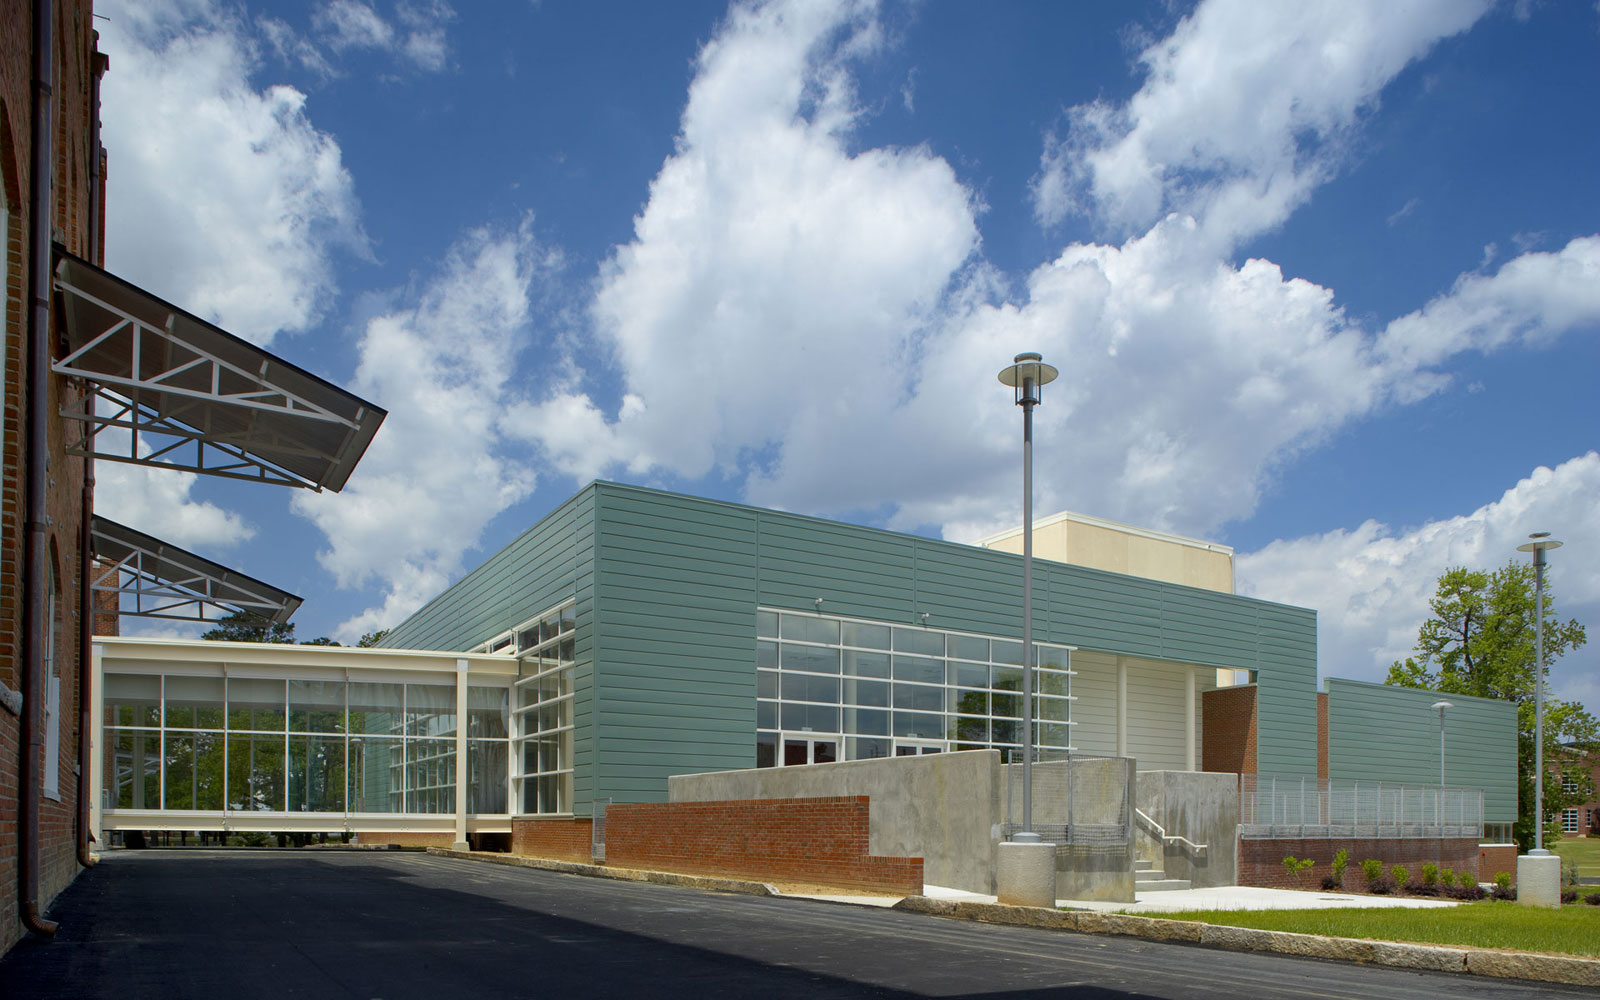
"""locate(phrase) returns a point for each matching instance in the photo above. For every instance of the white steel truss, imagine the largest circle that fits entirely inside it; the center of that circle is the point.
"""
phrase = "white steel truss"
(192, 397)
(164, 581)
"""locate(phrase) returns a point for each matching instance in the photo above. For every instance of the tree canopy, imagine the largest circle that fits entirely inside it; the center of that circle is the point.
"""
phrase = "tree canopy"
(1480, 640)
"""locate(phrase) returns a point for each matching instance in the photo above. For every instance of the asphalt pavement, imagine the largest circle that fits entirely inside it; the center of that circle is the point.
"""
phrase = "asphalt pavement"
(241, 924)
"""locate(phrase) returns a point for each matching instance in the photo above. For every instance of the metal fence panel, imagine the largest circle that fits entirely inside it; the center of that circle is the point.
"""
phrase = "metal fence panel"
(1272, 806)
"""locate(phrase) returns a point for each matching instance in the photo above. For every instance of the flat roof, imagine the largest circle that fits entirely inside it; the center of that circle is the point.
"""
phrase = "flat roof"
(1100, 522)
(196, 397)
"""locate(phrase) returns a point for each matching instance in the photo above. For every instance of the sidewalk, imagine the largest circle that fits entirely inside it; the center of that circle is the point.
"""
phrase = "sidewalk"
(1232, 897)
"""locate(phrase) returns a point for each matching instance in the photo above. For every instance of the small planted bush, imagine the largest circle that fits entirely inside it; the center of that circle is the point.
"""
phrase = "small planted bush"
(1466, 880)
(1297, 867)
(1400, 876)
(1341, 861)
(1447, 877)
(1502, 887)
(1430, 874)
(1593, 899)
(1372, 868)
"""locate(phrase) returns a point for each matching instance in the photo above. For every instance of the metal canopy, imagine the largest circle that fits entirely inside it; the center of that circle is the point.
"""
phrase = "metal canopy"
(168, 582)
(195, 397)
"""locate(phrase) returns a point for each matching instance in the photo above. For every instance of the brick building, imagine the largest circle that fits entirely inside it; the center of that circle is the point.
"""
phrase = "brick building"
(52, 175)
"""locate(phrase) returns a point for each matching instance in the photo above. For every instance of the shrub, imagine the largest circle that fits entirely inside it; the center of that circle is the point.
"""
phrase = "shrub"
(1569, 874)
(1466, 879)
(1502, 880)
(1331, 884)
(1447, 877)
(1341, 861)
(1372, 868)
(1297, 867)
(1467, 893)
(1430, 874)
(1593, 899)
(1400, 876)
(1569, 896)
(1380, 885)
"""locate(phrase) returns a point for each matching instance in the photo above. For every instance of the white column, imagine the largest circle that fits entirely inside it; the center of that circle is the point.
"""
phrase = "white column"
(97, 736)
(1188, 720)
(1122, 707)
(461, 757)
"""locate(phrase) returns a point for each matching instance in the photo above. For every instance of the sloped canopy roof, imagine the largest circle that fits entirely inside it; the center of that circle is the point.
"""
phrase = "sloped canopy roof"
(195, 397)
(168, 582)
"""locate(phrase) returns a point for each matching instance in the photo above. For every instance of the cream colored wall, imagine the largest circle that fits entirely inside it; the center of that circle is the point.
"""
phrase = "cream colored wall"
(1156, 694)
(1120, 551)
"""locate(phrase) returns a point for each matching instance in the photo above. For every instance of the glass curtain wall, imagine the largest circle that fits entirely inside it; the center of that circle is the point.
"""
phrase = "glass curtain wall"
(842, 689)
(246, 744)
(542, 718)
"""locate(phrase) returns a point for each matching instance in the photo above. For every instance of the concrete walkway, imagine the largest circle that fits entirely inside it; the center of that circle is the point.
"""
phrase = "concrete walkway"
(1232, 897)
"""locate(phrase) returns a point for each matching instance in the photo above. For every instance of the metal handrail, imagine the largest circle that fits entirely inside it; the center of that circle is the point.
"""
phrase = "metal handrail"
(1161, 831)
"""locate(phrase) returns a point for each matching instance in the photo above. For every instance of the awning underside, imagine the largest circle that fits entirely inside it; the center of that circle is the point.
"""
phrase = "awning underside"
(164, 581)
(191, 396)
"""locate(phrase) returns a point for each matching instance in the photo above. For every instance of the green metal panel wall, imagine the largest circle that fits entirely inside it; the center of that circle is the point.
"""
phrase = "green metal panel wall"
(1385, 733)
(674, 640)
(545, 565)
(680, 578)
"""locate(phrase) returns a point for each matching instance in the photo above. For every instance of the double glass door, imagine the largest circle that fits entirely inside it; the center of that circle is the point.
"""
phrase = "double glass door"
(808, 749)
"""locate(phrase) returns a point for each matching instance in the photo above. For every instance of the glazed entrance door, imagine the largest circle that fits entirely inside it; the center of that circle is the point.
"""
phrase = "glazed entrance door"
(809, 749)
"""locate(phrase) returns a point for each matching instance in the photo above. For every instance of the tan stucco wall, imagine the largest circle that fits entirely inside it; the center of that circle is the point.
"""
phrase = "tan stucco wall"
(1122, 549)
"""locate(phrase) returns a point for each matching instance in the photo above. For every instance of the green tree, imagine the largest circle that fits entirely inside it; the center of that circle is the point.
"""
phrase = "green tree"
(242, 626)
(372, 638)
(1480, 640)
(320, 640)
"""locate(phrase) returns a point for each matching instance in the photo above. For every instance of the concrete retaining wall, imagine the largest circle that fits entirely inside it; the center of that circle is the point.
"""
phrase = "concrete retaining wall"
(1202, 807)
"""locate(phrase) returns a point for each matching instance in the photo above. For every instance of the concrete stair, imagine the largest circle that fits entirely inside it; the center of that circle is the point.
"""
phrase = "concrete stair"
(1148, 878)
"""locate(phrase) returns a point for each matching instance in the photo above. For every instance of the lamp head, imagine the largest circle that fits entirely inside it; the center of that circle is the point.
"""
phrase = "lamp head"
(1025, 375)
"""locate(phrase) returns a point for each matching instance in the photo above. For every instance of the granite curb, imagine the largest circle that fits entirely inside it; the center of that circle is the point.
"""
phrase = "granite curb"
(744, 887)
(1430, 958)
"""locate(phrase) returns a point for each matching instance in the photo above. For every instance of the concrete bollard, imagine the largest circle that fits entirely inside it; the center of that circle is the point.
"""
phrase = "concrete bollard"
(1025, 875)
(1539, 880)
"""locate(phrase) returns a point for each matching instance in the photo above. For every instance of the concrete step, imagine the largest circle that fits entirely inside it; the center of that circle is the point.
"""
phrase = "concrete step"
(1141, 865)
(1148, 874)
(1161, 885)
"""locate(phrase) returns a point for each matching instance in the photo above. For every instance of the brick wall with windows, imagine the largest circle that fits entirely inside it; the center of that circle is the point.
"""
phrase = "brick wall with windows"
(74, 166)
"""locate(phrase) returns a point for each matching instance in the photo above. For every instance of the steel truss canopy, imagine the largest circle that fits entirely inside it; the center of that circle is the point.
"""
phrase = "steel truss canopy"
(165, 581)
(194, 397)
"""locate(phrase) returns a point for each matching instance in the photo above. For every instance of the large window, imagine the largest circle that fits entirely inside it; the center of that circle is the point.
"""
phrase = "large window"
(842, 689)
(1569, 821)
(542, 713)
(246, 744)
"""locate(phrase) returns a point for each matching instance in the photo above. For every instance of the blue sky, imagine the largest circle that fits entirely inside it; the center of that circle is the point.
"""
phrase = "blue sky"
(1323, 279)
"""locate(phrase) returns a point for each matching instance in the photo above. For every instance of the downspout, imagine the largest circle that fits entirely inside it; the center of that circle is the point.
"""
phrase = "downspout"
(86, 599)
(35, 550)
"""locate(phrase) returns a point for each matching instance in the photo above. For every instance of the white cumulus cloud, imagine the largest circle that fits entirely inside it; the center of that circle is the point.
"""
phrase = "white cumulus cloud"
(438, 470)
(223, 198)
(1245, 109)
(1370, 584)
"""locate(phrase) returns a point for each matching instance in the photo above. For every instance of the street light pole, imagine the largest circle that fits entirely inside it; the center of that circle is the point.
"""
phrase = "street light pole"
(1541, 541)
(1026, 375)
(1441, 706)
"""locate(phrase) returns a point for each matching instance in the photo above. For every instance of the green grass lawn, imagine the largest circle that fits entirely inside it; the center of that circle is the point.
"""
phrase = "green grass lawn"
(1571, 930)
(1585, 851)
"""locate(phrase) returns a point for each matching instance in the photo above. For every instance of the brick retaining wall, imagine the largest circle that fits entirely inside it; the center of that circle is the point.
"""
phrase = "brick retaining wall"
(1261, 861)
(822, 841)
(557, 839)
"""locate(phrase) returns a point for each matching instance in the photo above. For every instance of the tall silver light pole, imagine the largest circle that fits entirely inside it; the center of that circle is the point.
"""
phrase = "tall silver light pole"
(1026, 375)
(1441, 706)
(1541, 542)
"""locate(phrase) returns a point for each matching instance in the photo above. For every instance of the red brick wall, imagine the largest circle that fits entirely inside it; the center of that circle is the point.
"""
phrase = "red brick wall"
(819, 840)
(558, 839)
(1497, 858)
(74, 45)
(1261, 861)
(1228, 728)
(1322, 734)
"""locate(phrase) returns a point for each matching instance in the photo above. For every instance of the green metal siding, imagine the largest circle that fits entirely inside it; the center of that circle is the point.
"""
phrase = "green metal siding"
(551, 562)
(680, 579)
(674, 640)
(1385, 733)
